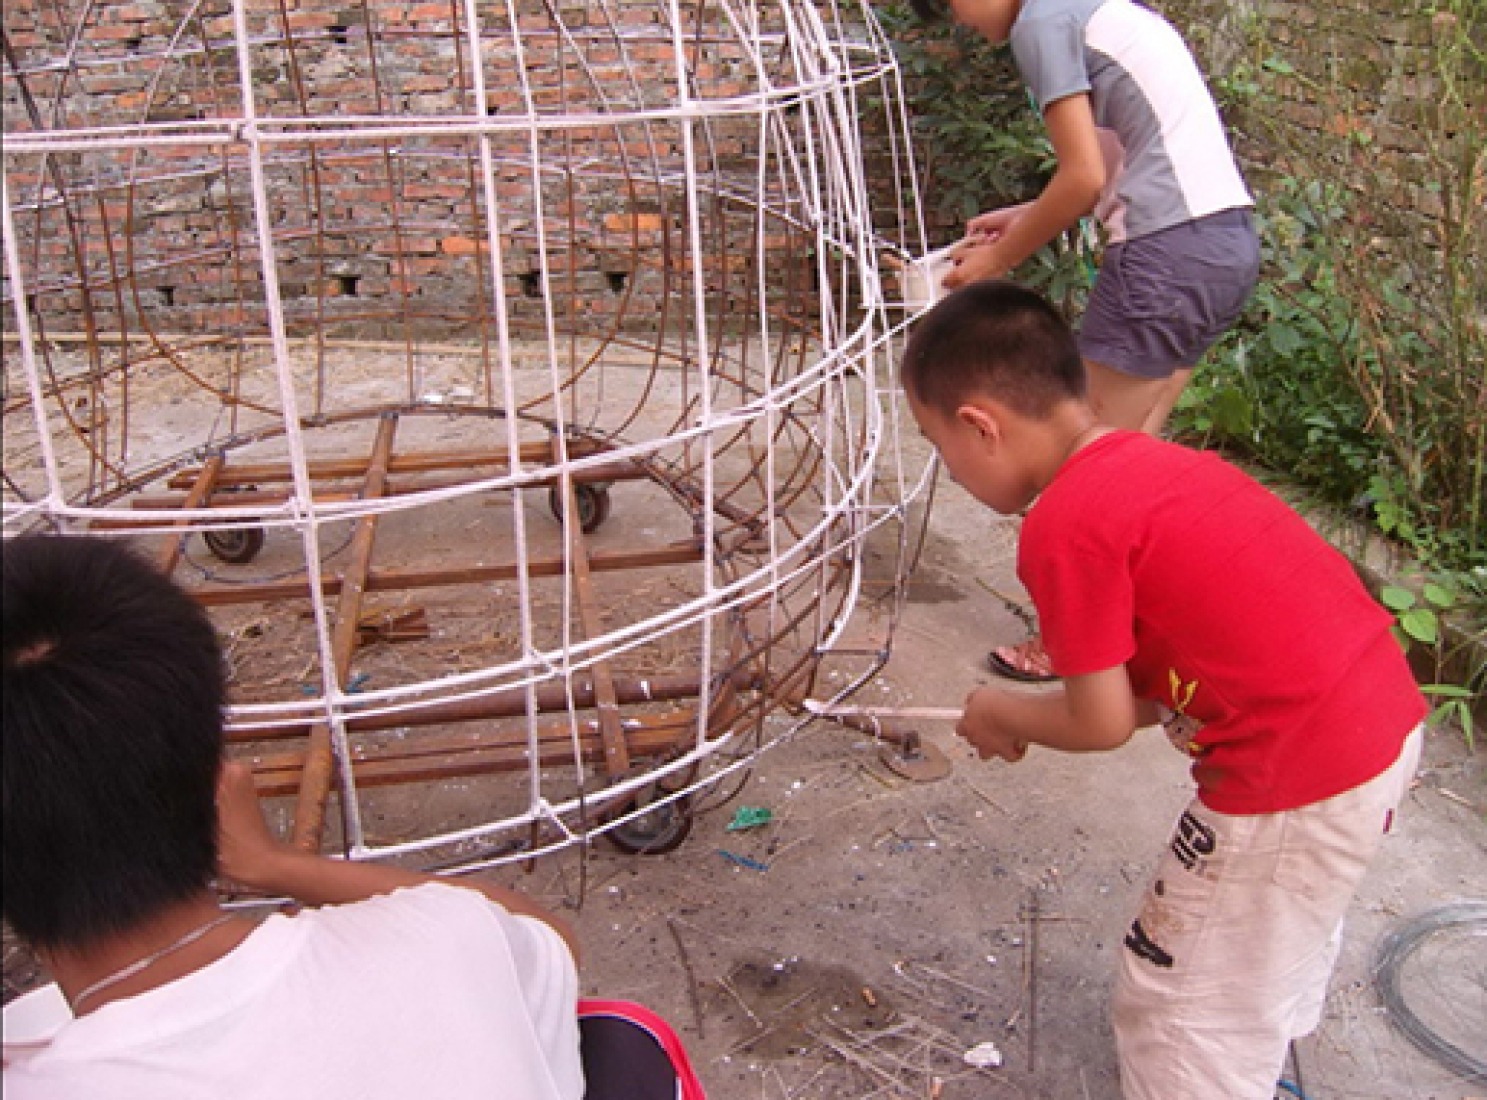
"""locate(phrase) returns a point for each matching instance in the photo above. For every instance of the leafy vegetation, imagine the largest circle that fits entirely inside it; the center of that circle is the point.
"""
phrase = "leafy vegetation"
(980, 142)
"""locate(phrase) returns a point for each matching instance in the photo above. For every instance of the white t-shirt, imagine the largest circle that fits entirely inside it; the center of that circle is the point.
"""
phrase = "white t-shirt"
(1150, 102)
(429, 993)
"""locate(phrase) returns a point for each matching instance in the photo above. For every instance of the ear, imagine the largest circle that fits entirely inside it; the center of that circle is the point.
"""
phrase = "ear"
(982, 419)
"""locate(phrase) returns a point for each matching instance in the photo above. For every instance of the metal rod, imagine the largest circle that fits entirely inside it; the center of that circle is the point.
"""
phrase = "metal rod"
(910, 714)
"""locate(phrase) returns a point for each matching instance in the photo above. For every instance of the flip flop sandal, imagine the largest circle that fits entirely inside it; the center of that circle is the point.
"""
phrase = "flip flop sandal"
(1003, 667)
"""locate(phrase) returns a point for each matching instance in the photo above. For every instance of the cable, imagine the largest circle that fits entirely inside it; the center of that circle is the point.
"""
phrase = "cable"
(1396, 950)
(1299, 1084)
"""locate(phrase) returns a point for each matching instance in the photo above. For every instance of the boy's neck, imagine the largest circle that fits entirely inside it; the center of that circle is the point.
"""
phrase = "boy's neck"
(195, 925)
(1068, 429)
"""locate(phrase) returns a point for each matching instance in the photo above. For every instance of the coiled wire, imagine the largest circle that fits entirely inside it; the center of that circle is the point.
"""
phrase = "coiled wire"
(1396, 950)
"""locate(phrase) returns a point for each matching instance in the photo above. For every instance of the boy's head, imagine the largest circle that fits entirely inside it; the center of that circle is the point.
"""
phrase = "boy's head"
(992, 19)
(112, 740)
(985, 370)
(998, 340)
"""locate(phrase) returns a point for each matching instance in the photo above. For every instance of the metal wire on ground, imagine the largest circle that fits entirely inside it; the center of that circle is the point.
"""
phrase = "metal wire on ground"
(1396, 950)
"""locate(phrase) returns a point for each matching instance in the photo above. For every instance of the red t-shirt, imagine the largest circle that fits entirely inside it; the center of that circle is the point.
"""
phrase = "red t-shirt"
(1225, 608)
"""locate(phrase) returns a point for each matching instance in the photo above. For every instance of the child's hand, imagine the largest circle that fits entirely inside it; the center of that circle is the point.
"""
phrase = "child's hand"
(987, 227)
(244, 843)
(981, 727)
(974, 259)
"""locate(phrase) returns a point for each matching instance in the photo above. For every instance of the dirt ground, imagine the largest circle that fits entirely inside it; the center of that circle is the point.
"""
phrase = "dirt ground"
(877, 929)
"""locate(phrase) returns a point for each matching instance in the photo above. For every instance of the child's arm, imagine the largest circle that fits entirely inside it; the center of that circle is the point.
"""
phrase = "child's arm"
(250, 855)
(1069, 195)
(1091, 713)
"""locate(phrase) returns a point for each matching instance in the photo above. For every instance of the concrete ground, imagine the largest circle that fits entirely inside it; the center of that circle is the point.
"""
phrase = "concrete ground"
(878, 929)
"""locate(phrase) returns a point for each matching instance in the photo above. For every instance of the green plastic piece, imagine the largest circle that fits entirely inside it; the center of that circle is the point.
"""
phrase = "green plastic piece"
(750, 817)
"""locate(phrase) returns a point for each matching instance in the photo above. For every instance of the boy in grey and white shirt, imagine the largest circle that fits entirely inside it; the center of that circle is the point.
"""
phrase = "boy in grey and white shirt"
(1140, 145)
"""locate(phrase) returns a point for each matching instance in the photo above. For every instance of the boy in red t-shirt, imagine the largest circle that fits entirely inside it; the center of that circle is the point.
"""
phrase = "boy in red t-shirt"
(1172, 587)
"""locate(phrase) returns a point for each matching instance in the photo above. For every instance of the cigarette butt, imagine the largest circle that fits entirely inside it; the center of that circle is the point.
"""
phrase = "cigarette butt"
(936, 1086)
(867, 995)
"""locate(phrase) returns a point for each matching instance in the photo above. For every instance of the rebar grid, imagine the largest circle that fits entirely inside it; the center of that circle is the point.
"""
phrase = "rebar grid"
(364, 319)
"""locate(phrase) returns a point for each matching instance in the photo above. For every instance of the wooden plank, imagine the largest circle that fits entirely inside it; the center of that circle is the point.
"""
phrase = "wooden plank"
(616, 755)
(604, 473)
(201, 490)
(319, 764)
(412, 462)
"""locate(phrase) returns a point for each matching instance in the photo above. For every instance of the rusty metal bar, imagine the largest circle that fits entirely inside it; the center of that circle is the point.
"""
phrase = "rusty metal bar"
(478, 754)
(551, 698)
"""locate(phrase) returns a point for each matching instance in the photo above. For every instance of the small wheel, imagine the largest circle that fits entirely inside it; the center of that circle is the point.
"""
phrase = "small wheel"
(238, 545)
(656, 831)
(593, 505)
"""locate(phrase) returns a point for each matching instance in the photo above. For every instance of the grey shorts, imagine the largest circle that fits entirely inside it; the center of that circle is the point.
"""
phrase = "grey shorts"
(1160, 301)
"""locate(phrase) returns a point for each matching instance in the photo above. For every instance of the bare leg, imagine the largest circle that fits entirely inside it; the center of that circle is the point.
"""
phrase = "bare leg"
(1125, 401)
(1156, 420)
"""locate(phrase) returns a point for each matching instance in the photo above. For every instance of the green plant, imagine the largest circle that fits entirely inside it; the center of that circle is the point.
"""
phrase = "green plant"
(980, 142)
(1455, 707)
(1277, 388)
(1419, 620)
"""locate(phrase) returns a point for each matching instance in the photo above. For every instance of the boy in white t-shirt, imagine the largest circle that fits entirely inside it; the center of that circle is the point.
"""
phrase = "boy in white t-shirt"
(119, 813)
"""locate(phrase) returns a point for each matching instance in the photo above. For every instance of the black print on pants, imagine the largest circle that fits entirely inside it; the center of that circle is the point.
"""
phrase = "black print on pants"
(1192, 840)
(1142, 947)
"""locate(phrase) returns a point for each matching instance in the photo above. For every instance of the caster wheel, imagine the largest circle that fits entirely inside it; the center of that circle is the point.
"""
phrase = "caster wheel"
(655, 832)
(593, 505)
(238, 545)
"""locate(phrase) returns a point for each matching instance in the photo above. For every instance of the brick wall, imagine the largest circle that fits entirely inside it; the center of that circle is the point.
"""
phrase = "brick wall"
(383, 233)
(385, 228)
(1349, 91)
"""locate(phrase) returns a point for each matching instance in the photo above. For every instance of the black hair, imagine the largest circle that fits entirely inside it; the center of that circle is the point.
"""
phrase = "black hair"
(113, 697)
(998, 339)
(931, 11)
